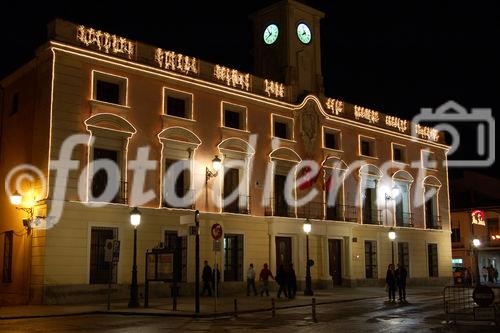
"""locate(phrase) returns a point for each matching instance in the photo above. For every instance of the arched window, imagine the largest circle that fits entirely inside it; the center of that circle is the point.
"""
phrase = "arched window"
(333, 189)
(177, 179)
(237, 154)
(370, 177)
(110, 136)
(431, 186)
(402, 181)
(284, 160)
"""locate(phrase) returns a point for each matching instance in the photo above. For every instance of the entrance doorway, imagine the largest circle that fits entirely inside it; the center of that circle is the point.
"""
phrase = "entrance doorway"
(283, 251)
(99, 268)
(335, 260)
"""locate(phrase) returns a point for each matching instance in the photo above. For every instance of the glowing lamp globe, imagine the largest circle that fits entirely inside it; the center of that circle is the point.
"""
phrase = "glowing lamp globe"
(135, 217)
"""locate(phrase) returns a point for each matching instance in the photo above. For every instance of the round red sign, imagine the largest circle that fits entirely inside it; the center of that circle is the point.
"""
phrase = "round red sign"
(216, 231)
(483, 295)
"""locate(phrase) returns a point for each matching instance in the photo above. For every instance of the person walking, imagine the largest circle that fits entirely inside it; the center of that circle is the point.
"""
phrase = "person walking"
(490, 274)
(216, 279)
(390, 279)
(484, 273)
(292, 282)
(401, 275)
(495, 275)
(264, 276)
(206, 277)
(251, 280)
(281, 279)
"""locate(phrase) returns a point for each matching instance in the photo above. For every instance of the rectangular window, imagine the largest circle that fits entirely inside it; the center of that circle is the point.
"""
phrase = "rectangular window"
(176, 107)
(181, 184)
(177, 103)
(331, 139)
(233, 257)
(428, 159)
(231, 119)
(399, 153)
(367, 146)
(492, 225)
(234, 116)
(109, 88)
(178, 244)
(404, 256)
(455, 235)
(14, 103)
(101, 177)
(432, 259)
(371, 259)
(100, 270)
(282, 127)
(7, 257)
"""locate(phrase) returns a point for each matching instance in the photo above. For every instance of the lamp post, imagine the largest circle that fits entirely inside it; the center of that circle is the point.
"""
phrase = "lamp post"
(135, 220)
(476, 243)
(308, 290)
(392, 237)
(197, 263)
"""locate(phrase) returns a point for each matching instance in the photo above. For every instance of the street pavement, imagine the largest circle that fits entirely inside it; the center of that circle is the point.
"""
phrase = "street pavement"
(344, 309)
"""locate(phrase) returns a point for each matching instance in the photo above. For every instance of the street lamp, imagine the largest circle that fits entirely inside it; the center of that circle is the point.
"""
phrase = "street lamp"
(307, 229)
(216, 165)
(476, 242)
(135, 220)
(390, 196)
(392, 237)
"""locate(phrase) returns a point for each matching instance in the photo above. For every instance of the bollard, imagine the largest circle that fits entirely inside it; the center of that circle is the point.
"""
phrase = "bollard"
(235, 308)
(314, 310)
(273, 307)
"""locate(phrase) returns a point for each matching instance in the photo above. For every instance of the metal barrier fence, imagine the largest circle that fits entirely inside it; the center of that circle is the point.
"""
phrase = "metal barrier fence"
(459, 304)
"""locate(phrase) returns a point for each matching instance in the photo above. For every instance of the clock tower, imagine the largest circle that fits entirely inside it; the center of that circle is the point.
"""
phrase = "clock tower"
(287, 48)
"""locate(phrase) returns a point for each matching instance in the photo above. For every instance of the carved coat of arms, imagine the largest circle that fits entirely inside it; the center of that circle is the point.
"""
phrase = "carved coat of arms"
(309, 122)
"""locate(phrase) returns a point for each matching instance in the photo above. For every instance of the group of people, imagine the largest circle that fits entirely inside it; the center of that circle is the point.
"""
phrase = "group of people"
(211, 279)
(490, 274)
(396, 278)
(285, 277)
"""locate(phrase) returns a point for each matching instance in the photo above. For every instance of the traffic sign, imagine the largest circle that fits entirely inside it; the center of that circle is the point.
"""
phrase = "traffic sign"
(216, 246)
(216, 231)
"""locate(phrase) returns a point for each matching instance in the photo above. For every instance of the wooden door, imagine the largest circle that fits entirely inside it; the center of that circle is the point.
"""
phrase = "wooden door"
(335, 260)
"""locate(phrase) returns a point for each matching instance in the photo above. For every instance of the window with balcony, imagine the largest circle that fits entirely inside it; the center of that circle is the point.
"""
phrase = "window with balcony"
(455, 235)
(234, 202)
(104, 178)
(177, 173)
(402, 181)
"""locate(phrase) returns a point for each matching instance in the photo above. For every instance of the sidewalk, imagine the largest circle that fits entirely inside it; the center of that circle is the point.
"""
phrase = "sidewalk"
(225, 305)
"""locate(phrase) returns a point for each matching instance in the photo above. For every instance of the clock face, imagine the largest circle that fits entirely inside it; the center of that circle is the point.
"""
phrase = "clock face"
(304, 33)
(271, 34)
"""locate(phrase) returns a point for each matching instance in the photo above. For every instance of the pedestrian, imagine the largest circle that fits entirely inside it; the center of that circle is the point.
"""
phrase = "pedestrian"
(401, 275)
(251, 280)
(264, 276)
(281, 279)
(484, 273)
(216, 279)
(390, 279)
(206, 277)
(490, 274)
(292, 282)
(466, 278)
(495, 275)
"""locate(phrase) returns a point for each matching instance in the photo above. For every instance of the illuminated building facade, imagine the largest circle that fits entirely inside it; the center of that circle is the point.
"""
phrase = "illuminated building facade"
(126, 95)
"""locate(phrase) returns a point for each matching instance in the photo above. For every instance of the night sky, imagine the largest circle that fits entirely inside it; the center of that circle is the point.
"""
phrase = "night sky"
(392, 57)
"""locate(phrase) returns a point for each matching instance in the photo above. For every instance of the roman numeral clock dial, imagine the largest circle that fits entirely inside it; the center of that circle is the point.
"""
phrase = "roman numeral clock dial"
(304, 33)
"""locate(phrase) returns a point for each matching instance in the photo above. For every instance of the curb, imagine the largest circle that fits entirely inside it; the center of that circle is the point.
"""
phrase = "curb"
(179, 314)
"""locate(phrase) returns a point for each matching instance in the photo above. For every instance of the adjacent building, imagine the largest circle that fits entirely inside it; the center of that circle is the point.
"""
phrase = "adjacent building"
(475, 214)
(128, 100)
